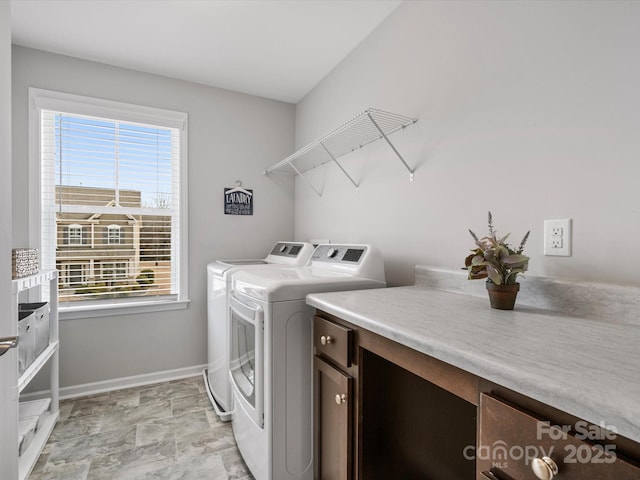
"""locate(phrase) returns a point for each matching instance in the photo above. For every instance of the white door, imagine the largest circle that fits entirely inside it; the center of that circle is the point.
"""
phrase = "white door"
(8, 324)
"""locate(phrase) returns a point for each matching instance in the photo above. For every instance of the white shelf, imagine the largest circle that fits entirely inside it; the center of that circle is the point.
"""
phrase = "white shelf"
(37, 365)
(365, 128)
(29, 458)
(25, 283)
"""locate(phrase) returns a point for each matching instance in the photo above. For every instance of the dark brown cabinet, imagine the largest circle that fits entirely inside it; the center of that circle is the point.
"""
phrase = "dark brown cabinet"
(383, 410)
(332, 422)
(411, 428)
(396, 416)
(333, 400)
(517, 444)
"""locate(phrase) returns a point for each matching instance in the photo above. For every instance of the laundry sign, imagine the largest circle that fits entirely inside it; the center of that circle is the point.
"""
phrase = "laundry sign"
(238, 201)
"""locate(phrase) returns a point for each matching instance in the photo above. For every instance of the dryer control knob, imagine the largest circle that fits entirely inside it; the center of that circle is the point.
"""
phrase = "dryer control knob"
(283, 248)
(332, 252)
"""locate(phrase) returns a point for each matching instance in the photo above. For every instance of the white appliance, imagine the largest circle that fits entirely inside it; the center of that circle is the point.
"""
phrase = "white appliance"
(271, 355)
(219, 274)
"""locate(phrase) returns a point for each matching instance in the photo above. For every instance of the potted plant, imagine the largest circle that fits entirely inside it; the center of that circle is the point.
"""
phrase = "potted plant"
(495, 260)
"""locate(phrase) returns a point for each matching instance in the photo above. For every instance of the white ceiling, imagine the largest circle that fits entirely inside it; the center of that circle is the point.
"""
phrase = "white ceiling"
(272, 48)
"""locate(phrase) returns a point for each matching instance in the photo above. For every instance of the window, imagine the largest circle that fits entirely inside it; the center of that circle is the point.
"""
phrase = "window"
(114, 271)
(110, 212)
(74, 234)
(74, 274)
(114, 235)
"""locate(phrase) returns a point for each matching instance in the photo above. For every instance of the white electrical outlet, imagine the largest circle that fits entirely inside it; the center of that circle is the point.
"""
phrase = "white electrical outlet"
(557, 237)
(556, 242)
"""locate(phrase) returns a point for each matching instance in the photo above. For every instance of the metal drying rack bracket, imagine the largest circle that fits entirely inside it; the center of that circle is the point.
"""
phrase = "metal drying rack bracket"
(363, 129)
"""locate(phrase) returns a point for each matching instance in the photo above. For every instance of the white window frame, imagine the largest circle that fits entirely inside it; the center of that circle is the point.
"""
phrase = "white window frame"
(114, 235)
(67, 275)
(39, 100)
(118, 269)
(75, 227)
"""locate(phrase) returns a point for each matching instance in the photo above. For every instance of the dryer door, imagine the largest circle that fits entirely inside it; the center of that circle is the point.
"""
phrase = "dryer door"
(246, 363)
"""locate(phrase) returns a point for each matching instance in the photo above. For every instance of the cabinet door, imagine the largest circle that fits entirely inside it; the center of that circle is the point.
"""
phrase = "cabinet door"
(332, 423)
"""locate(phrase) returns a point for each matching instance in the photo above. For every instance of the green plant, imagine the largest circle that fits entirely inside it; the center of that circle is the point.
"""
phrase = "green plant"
(146, 277)
(495, 259)
(94, 289)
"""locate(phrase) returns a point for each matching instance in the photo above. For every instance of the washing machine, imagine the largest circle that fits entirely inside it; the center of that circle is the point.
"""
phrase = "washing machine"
(219, 274)
(271, 355)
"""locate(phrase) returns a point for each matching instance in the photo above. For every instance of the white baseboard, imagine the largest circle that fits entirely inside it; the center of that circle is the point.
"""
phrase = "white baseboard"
(119, 383)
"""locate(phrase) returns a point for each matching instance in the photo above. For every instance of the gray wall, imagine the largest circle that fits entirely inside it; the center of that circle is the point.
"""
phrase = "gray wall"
(528, 109)
(232, 137)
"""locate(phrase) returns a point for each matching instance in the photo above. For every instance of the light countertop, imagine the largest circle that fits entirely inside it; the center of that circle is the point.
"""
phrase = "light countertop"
(585, 367)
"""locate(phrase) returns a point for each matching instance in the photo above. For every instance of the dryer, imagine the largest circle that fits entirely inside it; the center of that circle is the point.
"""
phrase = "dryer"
(271, 355)
(219, 274)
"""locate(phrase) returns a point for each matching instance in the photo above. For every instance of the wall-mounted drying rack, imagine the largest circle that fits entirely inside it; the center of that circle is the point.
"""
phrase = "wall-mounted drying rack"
(365, 128)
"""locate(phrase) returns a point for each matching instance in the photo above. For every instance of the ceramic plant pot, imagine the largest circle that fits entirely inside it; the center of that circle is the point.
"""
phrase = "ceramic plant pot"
(503, 297)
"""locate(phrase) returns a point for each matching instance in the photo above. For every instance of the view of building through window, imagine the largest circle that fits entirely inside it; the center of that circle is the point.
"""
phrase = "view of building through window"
(110, 192)
(111, 255)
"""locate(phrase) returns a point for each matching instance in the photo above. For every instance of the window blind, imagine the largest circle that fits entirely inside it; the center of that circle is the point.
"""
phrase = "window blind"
(110, 207)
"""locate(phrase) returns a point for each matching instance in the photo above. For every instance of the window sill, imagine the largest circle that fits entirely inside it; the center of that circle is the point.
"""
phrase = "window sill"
(92, 311)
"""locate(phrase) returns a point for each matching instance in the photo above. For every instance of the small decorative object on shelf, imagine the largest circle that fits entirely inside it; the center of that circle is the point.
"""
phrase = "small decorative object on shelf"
(24, 262)
(495, 260)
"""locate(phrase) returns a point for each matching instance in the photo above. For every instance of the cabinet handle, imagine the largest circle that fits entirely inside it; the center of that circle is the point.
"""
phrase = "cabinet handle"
(544, 468)
(341, 398)
(326, 340)
(6, 343)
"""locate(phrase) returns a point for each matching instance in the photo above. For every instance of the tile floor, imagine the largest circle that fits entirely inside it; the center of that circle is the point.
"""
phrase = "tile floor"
(165, 431)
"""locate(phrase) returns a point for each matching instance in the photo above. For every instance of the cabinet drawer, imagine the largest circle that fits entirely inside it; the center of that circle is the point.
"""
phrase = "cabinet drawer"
(512, 442)
(333, 341)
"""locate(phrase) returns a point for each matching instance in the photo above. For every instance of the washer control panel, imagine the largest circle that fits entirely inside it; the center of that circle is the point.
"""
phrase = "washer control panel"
(347, 254)
(287, 249)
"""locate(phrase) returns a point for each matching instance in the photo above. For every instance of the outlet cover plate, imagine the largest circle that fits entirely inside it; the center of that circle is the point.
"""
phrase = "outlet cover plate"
(557, 237)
